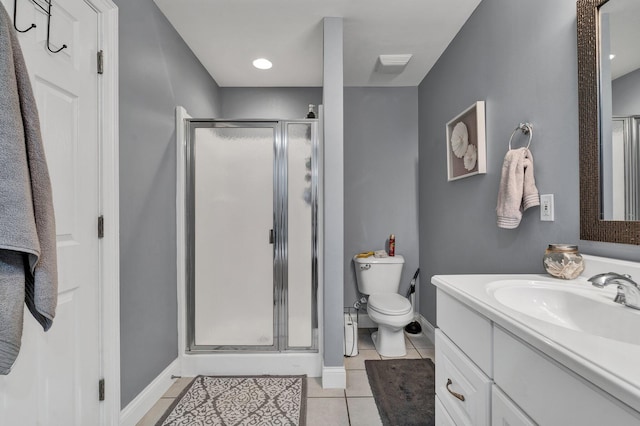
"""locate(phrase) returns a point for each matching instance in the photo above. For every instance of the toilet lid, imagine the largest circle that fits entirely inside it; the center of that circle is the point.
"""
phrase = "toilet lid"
(389, 303)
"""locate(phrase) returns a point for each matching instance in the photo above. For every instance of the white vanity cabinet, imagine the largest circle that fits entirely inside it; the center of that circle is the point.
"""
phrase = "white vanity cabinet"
(463, 362)
(485, 375)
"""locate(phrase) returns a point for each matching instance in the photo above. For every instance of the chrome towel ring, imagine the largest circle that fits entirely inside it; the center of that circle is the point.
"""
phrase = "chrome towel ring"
(527, 129)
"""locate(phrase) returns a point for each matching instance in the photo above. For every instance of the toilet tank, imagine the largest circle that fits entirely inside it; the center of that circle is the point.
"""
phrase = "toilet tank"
(378, 274)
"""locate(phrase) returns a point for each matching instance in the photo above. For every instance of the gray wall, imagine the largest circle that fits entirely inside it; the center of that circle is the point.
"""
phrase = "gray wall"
(380, 177)
(269, 102)
(157, 72)
(520, 57)
(333, 208)
(626, 94)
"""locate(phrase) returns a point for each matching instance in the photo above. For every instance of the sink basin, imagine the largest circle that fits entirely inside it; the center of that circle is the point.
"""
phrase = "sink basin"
(575, 307)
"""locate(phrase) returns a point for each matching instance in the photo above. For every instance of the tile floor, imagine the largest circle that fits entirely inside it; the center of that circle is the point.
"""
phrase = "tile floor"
(353, 406)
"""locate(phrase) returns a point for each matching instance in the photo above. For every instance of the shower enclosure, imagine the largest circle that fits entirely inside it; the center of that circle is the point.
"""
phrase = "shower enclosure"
(251, 214)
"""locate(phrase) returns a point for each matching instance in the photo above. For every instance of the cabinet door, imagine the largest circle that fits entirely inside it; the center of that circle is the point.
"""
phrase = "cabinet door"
(505, 413)
(550, 393)
(470, 331)
(442, 417)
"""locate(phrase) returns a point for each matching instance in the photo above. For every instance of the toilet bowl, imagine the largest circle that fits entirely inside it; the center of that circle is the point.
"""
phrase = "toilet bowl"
(379, 279)
(392, 313)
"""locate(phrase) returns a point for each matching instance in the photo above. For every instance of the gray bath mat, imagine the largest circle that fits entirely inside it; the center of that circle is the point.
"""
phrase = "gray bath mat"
(404, 391)
(240, 400)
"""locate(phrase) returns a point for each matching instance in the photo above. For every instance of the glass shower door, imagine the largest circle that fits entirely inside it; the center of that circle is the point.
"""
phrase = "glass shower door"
(232, 250)
(252, 224)
(301, 191)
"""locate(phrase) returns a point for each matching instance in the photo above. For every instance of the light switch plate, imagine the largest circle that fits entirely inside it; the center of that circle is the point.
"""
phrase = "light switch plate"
(547, 208)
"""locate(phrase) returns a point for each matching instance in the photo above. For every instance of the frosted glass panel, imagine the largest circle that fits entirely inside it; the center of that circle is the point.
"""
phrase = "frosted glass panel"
(299, 234)
(233, 215)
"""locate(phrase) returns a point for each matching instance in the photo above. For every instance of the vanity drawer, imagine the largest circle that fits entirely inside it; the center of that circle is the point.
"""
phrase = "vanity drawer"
(549, 393)
(442, 417)
(505, 412)
(466, 379)
(468, 329)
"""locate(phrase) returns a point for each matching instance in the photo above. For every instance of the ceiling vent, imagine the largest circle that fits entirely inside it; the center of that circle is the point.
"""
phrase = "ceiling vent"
(392, 64)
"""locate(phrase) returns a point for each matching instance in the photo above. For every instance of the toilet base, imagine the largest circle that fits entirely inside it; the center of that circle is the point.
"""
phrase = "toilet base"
(388, 342)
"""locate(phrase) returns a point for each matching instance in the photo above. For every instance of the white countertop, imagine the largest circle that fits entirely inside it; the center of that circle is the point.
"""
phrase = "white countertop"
(612, 365)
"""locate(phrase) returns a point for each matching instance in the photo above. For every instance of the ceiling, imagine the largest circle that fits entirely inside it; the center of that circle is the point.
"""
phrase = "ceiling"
(227, 35)
(624, 21)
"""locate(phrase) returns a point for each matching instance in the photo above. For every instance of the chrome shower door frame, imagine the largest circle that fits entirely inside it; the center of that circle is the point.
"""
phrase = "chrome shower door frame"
(280, 242)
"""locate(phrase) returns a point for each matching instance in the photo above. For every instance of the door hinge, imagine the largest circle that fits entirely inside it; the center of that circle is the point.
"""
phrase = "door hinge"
(272, 236)
(101, 390)
(100, 226)
(100, 61)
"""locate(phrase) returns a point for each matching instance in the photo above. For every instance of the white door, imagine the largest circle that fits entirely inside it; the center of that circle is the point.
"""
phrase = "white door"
(55, 378)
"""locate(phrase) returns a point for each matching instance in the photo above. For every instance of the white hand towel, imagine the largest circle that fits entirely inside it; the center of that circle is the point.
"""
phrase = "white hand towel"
(518, 189)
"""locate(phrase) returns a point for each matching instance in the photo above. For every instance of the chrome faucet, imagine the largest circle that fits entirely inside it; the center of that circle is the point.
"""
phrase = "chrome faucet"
(628, 290)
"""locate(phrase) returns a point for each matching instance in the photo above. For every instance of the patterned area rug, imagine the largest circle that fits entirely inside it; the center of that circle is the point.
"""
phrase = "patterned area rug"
(404, 390)
(240, 400)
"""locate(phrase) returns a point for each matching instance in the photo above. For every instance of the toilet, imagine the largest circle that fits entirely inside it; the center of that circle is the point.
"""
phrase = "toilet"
(379, 278)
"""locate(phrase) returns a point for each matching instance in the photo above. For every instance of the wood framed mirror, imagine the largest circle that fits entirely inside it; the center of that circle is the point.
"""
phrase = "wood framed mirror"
(594, 225)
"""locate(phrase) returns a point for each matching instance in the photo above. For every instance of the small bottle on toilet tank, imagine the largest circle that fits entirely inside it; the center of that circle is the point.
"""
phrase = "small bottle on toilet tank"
(311, 113)
(392, 245)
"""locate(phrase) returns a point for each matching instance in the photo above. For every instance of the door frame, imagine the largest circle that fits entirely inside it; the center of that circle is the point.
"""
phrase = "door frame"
(109, 245)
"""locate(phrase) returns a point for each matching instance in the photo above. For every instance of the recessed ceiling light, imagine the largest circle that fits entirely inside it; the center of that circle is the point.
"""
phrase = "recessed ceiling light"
(612, 56)
(262, 64)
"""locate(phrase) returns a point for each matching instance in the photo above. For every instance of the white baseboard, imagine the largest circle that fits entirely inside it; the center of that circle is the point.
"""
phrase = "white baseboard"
(136, 409)
(334, 377)
(427, 328)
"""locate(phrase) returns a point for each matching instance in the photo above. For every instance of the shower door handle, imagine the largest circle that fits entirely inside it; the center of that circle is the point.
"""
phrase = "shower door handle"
(272, 236)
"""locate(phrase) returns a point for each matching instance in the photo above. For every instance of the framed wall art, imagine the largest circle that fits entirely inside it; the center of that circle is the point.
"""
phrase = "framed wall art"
(466, 143)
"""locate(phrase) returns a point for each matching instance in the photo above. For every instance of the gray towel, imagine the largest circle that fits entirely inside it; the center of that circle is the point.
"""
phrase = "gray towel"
(518, 189)
(11, 307)
(27, 225)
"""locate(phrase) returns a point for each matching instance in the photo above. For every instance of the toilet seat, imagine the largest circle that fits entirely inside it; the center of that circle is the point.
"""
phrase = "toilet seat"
(389, 304)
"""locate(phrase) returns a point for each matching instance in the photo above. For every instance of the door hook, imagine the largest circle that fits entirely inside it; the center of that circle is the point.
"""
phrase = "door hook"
(15, 11)
(64, 46)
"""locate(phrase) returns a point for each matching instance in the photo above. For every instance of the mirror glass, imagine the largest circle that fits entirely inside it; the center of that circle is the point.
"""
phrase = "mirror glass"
(619, 61)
